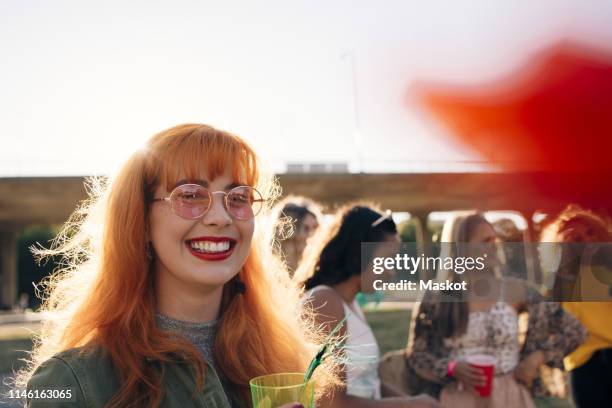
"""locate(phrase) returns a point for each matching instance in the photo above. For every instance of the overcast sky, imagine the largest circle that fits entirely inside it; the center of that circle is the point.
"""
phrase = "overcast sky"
(82, 84)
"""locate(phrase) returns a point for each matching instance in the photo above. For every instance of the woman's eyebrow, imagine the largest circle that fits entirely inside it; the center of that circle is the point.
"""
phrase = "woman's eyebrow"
(203, 183)
(233, 185)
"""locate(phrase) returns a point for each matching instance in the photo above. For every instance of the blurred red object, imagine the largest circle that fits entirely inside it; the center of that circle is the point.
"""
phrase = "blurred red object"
(554, 114)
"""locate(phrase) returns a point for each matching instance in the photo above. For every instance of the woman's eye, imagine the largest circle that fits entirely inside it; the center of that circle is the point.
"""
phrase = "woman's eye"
(239, 199)
(190, 196)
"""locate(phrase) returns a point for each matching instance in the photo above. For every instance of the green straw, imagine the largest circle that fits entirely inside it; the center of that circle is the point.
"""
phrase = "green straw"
(320, 356)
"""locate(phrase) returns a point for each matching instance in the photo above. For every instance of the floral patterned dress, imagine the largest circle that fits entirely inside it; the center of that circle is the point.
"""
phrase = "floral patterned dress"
(493, 332)
(550, 329)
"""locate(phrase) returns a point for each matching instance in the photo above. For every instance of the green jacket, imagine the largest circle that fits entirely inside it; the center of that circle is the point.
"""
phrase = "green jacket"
(92, 380)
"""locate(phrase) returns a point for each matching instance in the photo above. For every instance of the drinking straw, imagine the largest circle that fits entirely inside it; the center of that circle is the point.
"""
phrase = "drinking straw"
(330, 344)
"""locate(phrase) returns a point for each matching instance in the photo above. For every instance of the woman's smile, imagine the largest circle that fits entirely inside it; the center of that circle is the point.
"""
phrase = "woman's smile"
(211, 248)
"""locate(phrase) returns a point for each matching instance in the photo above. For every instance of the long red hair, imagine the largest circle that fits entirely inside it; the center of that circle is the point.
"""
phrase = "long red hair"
(103, 294)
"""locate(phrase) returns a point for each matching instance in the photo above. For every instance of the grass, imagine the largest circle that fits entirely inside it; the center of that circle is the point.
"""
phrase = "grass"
(390, 328)
(10, 353)
(15, 342)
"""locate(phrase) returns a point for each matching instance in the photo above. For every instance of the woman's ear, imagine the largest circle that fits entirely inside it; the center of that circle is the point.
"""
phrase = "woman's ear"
(147, 235)
(147, 241)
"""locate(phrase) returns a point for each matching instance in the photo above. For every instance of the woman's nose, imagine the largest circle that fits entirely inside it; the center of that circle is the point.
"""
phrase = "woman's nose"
(217, 214)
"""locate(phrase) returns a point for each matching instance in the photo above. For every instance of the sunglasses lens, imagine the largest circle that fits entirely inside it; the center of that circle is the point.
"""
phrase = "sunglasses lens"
(190, 201)
(244, 202)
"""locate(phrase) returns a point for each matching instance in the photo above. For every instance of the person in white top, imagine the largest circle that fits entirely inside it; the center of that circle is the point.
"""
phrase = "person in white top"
(332, 274)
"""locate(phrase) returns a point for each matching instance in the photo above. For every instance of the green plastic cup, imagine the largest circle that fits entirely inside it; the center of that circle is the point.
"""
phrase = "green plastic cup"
(274, 390)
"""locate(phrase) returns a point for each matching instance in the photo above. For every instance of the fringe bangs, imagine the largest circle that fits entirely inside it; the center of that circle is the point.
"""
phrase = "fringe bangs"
(197, 152)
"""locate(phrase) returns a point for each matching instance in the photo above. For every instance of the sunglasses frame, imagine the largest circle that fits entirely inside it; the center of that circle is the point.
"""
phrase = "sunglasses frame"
(211, 194)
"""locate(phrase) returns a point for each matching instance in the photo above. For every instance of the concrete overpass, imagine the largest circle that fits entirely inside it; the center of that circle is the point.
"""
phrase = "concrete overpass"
(50, 200)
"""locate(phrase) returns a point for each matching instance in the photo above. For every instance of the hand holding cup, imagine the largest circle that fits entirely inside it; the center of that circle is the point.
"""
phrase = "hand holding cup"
(469, 375)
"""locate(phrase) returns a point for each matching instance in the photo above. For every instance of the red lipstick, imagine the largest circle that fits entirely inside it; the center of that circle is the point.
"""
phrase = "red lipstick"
(200, 253)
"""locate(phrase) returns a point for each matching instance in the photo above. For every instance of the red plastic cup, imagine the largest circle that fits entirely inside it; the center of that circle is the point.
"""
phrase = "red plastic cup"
(487, 364)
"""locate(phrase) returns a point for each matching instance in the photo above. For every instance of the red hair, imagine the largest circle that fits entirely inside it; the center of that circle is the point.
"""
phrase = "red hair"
(574, 213)
(103, 295)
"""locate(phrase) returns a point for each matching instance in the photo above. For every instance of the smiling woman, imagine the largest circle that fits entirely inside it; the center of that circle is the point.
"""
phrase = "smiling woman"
(164, 299)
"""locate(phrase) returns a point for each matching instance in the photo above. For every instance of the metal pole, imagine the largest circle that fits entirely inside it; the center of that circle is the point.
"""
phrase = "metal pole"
(350, 55)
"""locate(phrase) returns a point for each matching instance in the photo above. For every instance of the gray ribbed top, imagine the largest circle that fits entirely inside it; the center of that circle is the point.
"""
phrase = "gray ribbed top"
(202, 336)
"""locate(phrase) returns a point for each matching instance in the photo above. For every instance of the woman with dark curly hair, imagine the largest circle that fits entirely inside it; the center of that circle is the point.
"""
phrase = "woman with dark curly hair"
(334, 270)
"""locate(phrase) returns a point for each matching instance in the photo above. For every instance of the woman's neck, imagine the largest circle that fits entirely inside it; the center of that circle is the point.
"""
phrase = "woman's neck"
(181, 301)
(476, 275)
(347, 290)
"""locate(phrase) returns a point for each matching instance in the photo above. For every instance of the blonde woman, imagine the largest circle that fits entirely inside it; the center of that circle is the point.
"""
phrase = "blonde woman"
(446, 333)
(169, 295)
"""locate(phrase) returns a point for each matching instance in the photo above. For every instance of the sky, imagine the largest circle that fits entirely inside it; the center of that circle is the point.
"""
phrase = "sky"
(83, 83)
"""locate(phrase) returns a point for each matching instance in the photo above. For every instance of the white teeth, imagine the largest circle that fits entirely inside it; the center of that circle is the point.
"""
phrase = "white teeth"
(209, 246)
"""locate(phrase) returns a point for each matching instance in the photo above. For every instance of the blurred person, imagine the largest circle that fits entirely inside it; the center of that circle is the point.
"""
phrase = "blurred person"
(332, 274)
(513, 251)
(573, 251)
(446, 331)
(298, 218)
(591, 363)
(169, 295)
(507, 231)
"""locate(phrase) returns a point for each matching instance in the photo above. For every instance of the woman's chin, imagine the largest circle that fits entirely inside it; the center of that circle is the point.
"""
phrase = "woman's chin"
(213, 277)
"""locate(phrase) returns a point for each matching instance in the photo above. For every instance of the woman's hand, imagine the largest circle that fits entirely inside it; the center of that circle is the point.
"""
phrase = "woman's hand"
(528, 369)
(470, 376)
